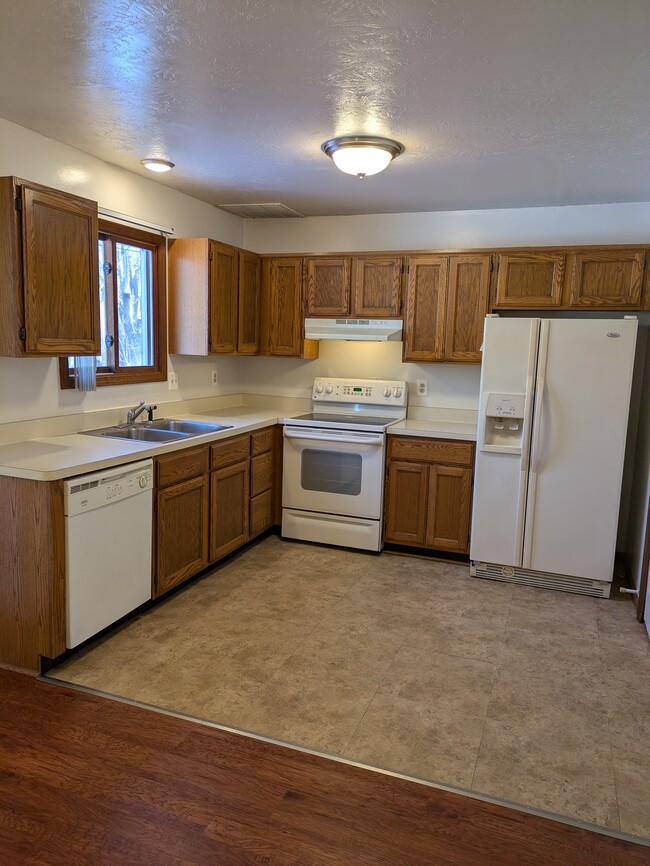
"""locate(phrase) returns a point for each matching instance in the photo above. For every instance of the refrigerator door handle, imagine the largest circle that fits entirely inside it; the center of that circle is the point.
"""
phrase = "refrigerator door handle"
(535, 446)
(525, 443)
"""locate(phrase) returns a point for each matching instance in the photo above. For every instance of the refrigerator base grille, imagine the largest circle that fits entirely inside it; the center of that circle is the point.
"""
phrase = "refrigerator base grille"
(542, 579)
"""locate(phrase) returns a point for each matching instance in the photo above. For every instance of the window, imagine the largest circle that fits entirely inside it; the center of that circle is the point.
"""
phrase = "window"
(131, 306)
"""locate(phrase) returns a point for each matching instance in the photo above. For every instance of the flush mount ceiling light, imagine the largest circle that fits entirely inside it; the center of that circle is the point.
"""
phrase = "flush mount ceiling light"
(362, 155)
(158, 165)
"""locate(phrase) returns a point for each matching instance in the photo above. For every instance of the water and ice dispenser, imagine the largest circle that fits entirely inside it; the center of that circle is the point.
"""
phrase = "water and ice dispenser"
(503, 422)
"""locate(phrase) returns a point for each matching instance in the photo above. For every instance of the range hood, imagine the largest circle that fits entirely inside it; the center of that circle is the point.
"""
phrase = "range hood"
(353, 329)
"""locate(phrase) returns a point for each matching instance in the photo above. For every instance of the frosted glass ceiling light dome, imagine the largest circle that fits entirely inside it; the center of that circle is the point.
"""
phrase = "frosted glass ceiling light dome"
(362, 155)
(157, 165)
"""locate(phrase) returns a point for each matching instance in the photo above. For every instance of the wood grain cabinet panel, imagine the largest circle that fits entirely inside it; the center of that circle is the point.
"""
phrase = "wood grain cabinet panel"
(376, 286)
(448, 508)
(327, 286)
(606, 278)
(264, 440)
(429, 493)
(262, 468)
(49, 280)
(229, 509)
(261, 513)
(468, 303)
(181, 466)
(282, 325)
(406, 502)
(181, 532)
(232, 450)
(250, 277)
(530, 280)
(426, 299)
(223, 299)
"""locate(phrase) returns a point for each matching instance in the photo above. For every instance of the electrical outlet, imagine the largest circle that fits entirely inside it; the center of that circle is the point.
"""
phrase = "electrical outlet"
(423, 388)
(215, 378)
(173, 381)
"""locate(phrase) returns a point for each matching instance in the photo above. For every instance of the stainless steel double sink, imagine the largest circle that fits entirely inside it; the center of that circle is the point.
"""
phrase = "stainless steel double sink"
(158, 430)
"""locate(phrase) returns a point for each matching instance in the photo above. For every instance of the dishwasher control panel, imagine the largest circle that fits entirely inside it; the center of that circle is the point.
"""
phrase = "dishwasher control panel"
(87, 492)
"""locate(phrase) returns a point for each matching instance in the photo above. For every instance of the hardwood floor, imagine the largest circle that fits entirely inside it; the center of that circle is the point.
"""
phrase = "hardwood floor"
(85, 780)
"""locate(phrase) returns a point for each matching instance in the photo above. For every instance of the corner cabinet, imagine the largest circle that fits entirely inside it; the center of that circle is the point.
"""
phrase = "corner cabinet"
(428, 493)
(49, 281)
(214, 293)
(282, 319)
(447, 299)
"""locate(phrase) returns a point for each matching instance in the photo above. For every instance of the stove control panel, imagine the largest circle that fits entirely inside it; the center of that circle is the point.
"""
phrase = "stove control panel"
(371, 391)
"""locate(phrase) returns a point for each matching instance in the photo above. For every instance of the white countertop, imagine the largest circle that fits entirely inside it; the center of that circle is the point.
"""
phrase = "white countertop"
(50, 458)
(436, 429)
(54, 457)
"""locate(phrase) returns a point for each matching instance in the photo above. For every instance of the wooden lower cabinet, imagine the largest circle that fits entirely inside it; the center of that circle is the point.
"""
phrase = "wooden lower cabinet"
(429, 493)
(181, 532)
(229, 501)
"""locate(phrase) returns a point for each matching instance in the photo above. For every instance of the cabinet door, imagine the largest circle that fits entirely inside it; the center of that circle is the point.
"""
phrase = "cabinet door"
(406, 502)
(222, 303)
(327, 286)
(250, 268)
(529, 281)
(426, 298)
(261, 513)
(606, 278)
(229, 501)
(467, 306)
(60, 268)
(448, 508)
(377, 286)
(285, 307)
(181, 532)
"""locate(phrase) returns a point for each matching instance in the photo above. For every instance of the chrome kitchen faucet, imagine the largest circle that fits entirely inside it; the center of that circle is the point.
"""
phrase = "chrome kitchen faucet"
(132, 414)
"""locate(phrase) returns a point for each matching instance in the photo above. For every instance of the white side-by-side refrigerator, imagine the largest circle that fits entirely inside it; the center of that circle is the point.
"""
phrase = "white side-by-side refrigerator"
(553, 415)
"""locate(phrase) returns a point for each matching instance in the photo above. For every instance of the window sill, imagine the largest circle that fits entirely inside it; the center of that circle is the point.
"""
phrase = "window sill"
(104, 380)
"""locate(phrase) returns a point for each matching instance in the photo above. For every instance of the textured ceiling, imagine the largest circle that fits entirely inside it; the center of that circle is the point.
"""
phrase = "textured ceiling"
(499, 103)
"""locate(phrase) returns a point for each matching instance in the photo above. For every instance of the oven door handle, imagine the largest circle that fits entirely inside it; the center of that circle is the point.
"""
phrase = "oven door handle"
(361, 439)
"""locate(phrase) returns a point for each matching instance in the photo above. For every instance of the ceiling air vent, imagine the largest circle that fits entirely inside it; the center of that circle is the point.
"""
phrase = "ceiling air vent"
(265, 210)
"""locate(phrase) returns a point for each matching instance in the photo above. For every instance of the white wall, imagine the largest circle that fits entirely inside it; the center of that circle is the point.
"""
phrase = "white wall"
(29, 388)
(543, 226)
(450, 386)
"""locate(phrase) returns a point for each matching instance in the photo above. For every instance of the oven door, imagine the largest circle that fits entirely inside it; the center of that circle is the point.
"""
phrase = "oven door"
(333, 471)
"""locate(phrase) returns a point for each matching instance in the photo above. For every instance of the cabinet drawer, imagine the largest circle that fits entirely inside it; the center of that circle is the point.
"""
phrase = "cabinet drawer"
(261, 516)
(432, 450)
(261, 473)
(230, 451)
(262, 440)
(174, 468)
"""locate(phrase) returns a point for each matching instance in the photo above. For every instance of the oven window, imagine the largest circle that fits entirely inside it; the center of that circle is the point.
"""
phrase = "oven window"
(331, 472)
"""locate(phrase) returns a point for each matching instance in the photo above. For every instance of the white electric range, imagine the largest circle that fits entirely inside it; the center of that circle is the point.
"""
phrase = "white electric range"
(334, 457)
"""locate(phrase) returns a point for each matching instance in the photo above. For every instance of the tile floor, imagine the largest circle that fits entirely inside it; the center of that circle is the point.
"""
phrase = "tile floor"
(527, 695)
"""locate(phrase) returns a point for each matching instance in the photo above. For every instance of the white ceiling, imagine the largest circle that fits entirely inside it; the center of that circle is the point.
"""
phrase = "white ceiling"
(499, 103)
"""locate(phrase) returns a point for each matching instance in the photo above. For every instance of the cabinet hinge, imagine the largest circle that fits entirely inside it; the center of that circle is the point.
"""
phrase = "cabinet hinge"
(155, 505)
(22, 333)
(402, 267)
(210, 256)
(209, 340)
(19, 202)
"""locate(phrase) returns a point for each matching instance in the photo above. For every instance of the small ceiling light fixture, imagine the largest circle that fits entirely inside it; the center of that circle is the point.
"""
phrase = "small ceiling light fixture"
(158, 165)
(362, 155)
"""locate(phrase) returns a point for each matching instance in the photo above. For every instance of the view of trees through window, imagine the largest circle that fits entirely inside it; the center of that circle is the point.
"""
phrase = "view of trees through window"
(133, 288)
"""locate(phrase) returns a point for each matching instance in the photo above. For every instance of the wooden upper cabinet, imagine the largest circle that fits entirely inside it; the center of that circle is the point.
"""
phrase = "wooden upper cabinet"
(327, 286)
(606, 278)
(426, 299)
(468, 303)
(282, 317)
(530, 280)
(223, 299)
(49, 281)
(377, 286)
(250, 270)
(214, 298)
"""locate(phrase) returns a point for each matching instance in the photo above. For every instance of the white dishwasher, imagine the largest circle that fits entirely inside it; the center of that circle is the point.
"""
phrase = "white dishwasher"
(108, 525)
